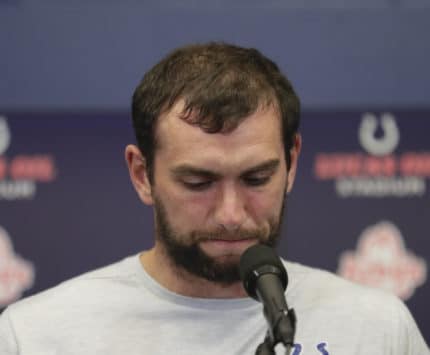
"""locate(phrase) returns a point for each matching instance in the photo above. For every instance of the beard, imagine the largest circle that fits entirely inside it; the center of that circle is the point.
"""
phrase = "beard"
(185, 252)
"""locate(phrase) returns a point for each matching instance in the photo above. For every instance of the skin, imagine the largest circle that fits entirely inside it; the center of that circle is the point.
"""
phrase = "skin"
(221, 182)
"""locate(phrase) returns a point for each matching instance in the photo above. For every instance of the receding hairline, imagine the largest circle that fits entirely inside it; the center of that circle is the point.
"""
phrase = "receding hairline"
(178, 108)
(192, 115)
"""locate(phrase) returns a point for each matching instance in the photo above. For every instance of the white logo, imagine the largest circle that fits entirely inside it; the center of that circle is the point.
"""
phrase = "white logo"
(4, 135)
(382, 261)
(387, 142)
(16, 274)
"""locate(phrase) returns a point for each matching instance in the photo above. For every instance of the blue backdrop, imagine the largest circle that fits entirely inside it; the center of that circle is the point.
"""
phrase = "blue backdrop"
(67, 70)
(67, 205)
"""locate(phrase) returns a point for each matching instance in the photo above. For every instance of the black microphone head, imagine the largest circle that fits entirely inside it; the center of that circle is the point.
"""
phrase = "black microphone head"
(258, 260)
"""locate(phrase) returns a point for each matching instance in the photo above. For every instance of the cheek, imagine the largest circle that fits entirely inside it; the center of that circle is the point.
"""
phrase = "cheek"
(199, 207)
(265, 205)
(188, 208)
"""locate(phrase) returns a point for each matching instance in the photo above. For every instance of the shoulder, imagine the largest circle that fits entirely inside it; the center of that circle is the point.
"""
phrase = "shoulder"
(83, 289)
(322, 287)
(75, 307)
(376, 313)
(319, 289)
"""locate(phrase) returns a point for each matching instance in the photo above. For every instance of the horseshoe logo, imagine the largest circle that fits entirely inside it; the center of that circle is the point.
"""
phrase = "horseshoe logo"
(387, 142)
(4, 135)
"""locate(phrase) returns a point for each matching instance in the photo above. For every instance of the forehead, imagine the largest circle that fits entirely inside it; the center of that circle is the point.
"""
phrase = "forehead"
(256, 138)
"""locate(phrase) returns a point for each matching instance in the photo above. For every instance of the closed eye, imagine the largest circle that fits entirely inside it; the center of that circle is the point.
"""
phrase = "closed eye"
(197, 186)
(256, 181)
(260, 174)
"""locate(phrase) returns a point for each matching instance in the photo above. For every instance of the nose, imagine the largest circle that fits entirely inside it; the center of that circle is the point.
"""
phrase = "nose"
(230, 210)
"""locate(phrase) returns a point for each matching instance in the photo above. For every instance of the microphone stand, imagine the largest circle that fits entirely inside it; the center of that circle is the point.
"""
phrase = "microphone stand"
(282, 332)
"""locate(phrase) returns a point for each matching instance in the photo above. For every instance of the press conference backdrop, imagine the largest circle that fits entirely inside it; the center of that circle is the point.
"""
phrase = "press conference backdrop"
(360, 205)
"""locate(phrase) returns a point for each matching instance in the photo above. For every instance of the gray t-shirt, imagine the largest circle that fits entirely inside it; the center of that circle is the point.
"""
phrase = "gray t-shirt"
(121, 310)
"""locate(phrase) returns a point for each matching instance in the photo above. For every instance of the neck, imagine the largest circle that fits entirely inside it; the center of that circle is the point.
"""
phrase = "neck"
(159, 266)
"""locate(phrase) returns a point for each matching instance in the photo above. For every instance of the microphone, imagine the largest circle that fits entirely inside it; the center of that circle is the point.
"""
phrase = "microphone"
(265, 279)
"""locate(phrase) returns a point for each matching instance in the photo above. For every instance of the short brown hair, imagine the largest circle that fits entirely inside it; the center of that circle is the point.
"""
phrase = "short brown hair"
(221, 84)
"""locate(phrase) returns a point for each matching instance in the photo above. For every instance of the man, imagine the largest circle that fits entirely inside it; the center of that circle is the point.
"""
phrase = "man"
(217, 151)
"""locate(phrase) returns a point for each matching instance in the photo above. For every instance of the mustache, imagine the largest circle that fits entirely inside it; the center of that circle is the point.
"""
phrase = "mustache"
(240, 234)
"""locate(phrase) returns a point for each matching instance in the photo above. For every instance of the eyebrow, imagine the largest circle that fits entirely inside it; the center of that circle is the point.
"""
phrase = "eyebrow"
(271, 164)
(187, 169)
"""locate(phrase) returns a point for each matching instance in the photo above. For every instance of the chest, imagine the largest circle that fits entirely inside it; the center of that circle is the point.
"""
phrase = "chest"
(183, 332)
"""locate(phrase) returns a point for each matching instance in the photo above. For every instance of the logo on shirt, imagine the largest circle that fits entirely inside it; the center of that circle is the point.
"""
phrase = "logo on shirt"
(382, 261)
(297, 349)
(16, 274)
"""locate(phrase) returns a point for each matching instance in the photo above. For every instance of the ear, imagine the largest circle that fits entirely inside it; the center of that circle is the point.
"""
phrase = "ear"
(294, 154)
(137, 169)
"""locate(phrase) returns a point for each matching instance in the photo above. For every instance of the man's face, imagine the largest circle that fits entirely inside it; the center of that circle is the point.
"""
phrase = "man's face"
(217, 194)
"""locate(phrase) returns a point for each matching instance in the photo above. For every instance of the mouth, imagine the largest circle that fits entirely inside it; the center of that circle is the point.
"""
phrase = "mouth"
(221, 247)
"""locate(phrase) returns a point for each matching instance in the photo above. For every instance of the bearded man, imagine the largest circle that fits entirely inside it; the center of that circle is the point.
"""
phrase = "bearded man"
(216, 156)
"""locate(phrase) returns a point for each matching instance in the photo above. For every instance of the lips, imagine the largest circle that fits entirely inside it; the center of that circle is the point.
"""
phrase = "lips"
(217, 247)
(230, 240)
